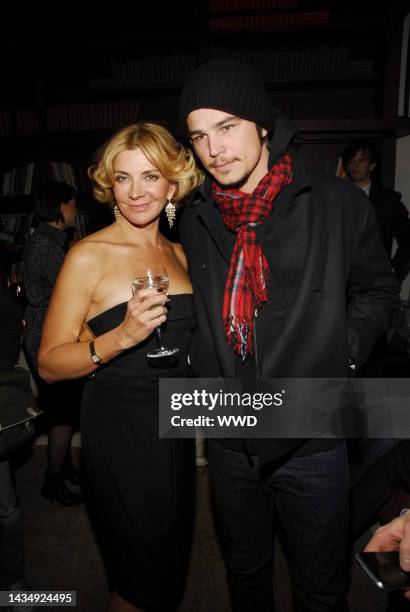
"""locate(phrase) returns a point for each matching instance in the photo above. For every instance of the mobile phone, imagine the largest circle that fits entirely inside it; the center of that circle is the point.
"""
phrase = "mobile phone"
(384, 570)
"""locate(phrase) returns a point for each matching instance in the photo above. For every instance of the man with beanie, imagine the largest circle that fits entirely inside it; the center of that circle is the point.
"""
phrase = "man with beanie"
(290, 280)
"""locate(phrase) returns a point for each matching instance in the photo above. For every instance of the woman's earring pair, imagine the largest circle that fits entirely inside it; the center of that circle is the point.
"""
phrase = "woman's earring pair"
(169, 211)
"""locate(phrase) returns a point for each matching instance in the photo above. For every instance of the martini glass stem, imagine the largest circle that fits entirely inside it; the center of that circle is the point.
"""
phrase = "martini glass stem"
(158, 335)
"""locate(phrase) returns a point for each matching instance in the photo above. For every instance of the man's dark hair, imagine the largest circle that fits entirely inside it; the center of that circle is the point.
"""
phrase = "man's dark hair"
(49, 199)
(360, 145)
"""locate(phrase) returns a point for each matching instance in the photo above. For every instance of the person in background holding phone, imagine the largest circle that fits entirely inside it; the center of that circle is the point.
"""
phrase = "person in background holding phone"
(394, 536)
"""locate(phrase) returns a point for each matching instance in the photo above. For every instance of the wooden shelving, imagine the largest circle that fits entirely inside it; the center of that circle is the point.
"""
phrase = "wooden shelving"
(324, 62)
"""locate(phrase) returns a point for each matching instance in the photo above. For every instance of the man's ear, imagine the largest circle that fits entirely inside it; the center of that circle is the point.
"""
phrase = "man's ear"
(372, 166)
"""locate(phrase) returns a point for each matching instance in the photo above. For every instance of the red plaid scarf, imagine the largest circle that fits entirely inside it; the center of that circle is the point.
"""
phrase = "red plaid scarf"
(245, 288)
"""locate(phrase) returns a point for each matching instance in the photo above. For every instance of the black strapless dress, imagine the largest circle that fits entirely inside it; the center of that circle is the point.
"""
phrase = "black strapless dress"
(142, 487)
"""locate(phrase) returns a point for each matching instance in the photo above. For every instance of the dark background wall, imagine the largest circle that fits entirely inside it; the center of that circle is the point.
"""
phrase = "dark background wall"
(332, 66)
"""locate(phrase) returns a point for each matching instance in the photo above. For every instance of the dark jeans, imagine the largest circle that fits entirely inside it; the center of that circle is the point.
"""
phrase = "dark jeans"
(11, 531)
(309, 495)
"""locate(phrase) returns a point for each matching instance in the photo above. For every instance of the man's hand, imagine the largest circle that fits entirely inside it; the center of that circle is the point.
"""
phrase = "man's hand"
(394, 536)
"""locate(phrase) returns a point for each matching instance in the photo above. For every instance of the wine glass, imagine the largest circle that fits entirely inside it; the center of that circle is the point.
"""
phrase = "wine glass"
(154, 277)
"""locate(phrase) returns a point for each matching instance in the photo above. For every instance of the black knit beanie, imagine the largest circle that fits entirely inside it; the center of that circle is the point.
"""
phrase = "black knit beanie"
(231, 86)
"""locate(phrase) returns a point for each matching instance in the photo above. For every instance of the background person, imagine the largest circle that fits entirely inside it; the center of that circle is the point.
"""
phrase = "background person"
(43, 257)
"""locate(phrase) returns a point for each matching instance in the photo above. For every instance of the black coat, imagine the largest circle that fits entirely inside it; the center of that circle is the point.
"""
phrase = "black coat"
(394, 222)
(334, 289)
(43, 257)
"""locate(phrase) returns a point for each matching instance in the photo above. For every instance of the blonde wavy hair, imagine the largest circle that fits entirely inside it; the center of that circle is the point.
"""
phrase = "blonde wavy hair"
(175, 162)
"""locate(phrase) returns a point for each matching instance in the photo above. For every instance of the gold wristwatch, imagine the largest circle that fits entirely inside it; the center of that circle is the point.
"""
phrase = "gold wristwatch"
(95, 357)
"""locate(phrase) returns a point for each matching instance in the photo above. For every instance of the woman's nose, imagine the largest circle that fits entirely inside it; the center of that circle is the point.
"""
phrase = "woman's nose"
(135, 191)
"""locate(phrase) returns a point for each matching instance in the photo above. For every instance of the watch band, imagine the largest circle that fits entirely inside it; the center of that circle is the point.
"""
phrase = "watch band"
(94, 355)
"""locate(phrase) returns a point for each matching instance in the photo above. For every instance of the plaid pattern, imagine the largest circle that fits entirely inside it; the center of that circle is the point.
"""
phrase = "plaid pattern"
(246, 288)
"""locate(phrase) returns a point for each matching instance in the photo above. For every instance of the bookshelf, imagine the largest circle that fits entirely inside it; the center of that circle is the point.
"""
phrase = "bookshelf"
(17, 201)
(94, 116)
(328, 65)
(331, 66)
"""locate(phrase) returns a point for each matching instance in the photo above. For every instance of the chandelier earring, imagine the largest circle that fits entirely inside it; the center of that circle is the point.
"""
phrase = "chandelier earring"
(170, 212)
(117, 214)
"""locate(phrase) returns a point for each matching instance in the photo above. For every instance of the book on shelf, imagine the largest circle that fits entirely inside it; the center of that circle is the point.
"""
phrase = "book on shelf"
(160, 71)
(313, 63)
(15, 229)
(234, 20)
(63, 172)
(18, 181)
(24, 180)
(14, 233)
(340, 171)
(222, 6)
(81, 223)
(109, 114)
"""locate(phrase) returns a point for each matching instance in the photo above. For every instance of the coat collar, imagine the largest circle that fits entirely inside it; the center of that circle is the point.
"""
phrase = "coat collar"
(224, 239)
(285, 136)
(208, 212)
(300, 184)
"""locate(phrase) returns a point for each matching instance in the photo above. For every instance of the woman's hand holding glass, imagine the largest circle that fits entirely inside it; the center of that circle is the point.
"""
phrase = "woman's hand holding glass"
(145, 312)
(155, 277)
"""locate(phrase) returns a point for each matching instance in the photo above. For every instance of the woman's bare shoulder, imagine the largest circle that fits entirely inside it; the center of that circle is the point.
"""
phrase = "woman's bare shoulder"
(88, 252)
(92, 246)
(178, 250)
(179, 254)
(106, 234)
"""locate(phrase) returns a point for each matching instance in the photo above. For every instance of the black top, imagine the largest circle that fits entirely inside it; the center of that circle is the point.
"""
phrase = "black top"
(141, 484)
(131, 367)
(42, 260)
(43, 257)
(393, 218)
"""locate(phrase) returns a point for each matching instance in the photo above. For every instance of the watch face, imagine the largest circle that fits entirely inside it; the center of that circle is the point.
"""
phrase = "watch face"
(94, 355)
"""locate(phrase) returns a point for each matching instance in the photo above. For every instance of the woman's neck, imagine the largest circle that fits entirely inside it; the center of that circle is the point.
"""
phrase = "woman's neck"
(148, 236)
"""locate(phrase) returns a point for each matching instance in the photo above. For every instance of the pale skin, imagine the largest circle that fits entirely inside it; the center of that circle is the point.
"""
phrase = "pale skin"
(97, 275)
(229, 148)
(394, 536)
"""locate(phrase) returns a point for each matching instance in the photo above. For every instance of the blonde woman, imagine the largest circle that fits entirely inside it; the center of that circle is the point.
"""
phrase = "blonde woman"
(140, 493)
